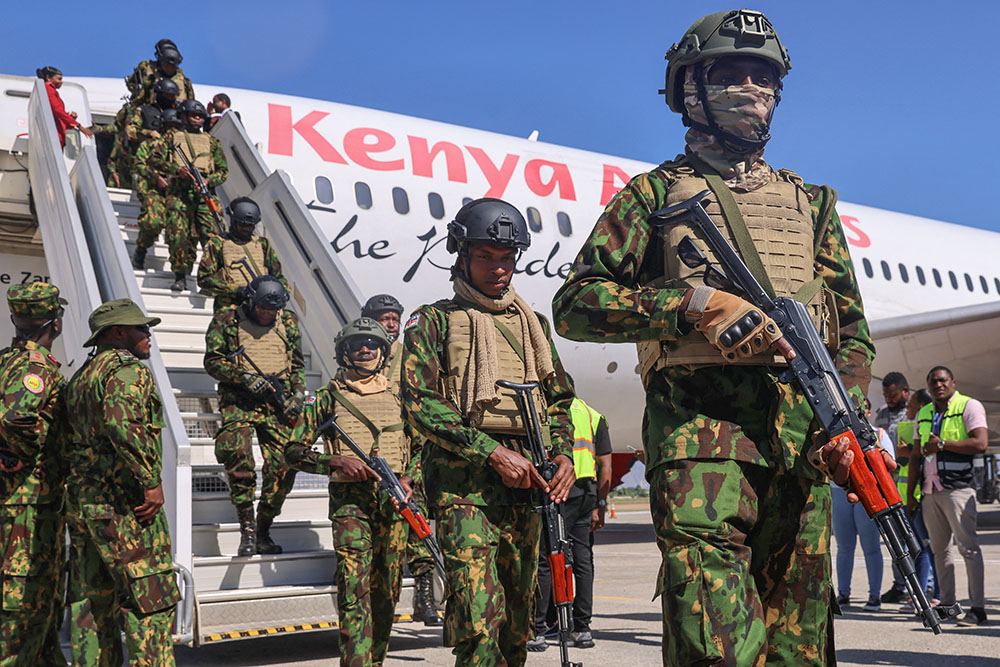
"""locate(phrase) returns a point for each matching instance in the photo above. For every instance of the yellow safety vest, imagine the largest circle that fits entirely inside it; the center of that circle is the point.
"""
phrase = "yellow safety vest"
(585, 421)
(954, 470)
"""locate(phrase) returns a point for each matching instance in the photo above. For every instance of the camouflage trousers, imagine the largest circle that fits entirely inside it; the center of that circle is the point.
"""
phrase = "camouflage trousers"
(152, 214)
(120, 165)
(491, 557)
(418, 557)
(234, 450)
(189, 222)
(745, 577)
(120, 570)
(370, 539)
(32, 550)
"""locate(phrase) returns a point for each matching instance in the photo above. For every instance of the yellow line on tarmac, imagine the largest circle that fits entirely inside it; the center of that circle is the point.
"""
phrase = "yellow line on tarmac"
(615, 597)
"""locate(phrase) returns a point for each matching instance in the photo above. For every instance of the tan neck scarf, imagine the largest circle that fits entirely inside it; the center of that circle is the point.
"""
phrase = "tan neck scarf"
(371, 382)
(480, 383)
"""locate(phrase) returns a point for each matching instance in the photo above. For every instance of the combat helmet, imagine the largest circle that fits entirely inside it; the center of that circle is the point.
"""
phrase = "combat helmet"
(167, 52)
(166, 86)
(738, 32)
(488, 220)
(363, 326)
(243, 212)
(170, 119)
(267, 292)
(381, 303)
(189, 107)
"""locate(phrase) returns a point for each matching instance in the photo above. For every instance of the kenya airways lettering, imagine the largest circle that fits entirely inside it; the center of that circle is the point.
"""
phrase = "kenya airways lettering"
(377, 150)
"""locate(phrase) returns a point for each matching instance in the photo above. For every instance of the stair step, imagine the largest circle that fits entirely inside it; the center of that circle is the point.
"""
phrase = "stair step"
(230, 572)
(310, 504)
(220, 539)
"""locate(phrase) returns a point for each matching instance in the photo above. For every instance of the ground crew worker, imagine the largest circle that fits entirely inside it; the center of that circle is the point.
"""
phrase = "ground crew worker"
(388, 312)
(189, 219)
(31, 480)
(228, 264)
(266, 335)
(583, 513)
(150, 187)
(166, 66)
(734, 498)
(476, 468)
(121, 566)
(369, 535)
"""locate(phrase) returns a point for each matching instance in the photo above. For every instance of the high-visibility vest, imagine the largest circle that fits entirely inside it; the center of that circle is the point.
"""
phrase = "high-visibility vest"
(956, 471)
(585, 421)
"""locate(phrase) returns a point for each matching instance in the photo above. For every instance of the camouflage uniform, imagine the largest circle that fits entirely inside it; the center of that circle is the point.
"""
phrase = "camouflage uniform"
(153, 213)
(244, 414)
(140, 83)
(212, 271)
(742, 518)
(118, 566)
(188, 219)
(488, 532)
(120, 160)
(31, 523)
(369, 536)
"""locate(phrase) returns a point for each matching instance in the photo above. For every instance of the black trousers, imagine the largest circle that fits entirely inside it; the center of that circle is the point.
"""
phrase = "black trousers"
(576, 516)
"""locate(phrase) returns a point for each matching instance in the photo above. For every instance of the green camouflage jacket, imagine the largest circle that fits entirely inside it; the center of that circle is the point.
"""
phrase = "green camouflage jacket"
(607, 299)
(160, 161)
(222, 338)
(31, 423)
(140, 83)
(454, 464)
(211, 277)
(115, 417)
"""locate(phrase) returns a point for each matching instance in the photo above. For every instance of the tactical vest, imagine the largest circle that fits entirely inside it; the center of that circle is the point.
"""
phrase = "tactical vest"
(233, 271)
(502, 417)
(391, 369)
(197, 146)
(779, 219)
(152, 117)
(374, 422)
(956, 471)
(585, 421)
(265, 345)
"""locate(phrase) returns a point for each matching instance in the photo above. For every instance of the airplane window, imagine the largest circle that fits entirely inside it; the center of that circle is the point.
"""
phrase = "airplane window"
(937, 277)
(363, 195)
(534, 220)
(968, 282)
(903, 274)
(466, 200)
(868, 267)
(954, 280)
(996, 283)
(324, 190)
(885, 270)
(920, 276)
(562, 221)
(436, 205)
(400, 201)
(985, 285)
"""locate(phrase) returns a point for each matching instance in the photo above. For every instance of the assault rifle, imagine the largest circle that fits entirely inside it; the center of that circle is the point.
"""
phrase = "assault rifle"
(389, 484)
(812, 369)
(277, 393)
(199, 184)
(554, 539)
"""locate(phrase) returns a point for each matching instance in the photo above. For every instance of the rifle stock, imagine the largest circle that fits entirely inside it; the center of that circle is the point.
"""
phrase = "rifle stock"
(199, 183)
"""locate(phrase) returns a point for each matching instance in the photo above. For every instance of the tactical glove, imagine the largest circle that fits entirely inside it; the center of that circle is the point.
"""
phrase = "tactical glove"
(293, 406)
(732, 325)
(256, 384)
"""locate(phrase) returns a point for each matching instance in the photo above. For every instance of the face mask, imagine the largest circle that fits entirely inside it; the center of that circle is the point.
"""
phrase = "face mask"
(743, 110)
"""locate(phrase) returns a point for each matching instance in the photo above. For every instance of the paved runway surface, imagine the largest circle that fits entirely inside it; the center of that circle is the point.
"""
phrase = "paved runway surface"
(626, 624)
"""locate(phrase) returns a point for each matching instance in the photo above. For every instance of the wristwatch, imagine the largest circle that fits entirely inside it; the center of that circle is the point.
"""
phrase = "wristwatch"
(602, 503)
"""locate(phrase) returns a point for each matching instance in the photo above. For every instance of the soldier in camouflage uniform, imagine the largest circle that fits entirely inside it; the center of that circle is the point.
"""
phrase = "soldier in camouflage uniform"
(150, 187)
(477, 472)
(388, 311)
(189, 219)
(252, 349)
(742, 517)
(229, 263)
(121, 566)
(148, 72)
(119, 169)
(31, 481)
(369, 535)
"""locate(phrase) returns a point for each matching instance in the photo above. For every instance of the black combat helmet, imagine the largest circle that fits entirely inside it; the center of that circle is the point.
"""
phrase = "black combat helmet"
(243, 213)
(381, 303)
(488, 220)
(170, 119)
(167, 52)
(267, 292)
(193, 107)
(166, 87)
(362, 327)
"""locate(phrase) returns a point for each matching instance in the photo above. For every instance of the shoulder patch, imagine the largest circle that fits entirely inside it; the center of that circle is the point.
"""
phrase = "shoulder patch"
(33, 383)
(310, 400)
(36, 357)
(412, 321)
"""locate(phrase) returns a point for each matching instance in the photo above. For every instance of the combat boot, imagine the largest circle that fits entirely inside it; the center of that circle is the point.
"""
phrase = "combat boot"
(248, 538)
(265, 545)
(424, 608)
(139, 258)
(180, 282)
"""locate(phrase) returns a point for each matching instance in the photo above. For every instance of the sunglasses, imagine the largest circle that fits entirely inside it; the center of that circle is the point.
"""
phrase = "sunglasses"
(355, 344)
(143, 329)
(692, 257)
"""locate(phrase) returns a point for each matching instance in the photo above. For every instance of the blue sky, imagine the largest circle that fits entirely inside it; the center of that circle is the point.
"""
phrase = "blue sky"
(893, 103)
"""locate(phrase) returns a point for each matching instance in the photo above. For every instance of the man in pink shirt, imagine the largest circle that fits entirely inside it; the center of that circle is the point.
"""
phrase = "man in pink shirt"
(951, 437)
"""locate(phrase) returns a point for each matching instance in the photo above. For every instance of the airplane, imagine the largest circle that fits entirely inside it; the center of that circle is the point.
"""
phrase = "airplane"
(382, 187)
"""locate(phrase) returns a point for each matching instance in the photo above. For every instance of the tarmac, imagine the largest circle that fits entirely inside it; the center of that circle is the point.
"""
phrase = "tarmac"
(626, 623)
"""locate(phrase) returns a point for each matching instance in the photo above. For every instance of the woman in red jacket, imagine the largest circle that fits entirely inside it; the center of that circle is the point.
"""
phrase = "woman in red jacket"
(53, 82)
